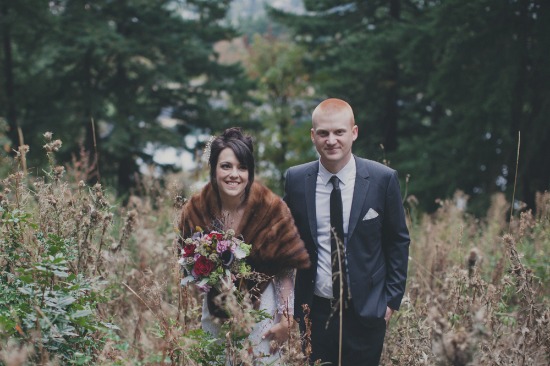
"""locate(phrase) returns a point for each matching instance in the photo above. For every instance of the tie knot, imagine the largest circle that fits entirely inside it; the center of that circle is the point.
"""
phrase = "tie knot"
(335, 182)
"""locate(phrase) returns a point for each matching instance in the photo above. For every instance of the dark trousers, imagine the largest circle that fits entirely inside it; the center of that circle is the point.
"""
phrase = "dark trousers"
(361, 344)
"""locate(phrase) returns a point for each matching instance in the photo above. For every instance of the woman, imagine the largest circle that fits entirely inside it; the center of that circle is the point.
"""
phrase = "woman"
(232, 200)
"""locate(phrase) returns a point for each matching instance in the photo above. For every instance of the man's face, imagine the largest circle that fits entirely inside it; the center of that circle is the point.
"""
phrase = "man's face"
(333, 135)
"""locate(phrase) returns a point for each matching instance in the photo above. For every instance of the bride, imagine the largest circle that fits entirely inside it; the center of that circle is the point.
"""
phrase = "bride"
(232, 200)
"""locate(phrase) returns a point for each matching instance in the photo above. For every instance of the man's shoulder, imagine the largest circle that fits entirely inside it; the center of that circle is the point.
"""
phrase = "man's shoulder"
(373, 167)
(303, 168)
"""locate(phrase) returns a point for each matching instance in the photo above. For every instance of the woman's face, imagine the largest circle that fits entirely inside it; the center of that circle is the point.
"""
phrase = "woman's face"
(231, 175)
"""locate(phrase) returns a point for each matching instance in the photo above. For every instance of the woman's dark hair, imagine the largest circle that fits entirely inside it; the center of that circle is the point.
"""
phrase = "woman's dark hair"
(242, 147)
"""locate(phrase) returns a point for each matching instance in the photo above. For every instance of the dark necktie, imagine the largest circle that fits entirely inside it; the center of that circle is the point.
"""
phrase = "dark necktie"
(337, 223)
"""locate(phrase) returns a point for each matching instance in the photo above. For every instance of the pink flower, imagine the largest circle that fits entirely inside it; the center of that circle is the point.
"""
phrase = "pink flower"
(223, 245)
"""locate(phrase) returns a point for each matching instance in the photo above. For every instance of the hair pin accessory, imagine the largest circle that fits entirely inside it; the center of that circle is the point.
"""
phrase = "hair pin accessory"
(207, 150)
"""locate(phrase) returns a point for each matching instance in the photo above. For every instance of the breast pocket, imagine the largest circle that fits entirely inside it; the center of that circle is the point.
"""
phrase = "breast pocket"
(377, 221)
(370, 234)
(371, 225)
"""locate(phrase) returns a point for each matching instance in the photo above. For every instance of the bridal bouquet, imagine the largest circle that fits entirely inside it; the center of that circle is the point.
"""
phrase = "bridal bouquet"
(208, 258)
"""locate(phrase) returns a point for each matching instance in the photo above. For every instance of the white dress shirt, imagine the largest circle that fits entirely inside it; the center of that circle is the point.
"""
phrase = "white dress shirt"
(323, 188)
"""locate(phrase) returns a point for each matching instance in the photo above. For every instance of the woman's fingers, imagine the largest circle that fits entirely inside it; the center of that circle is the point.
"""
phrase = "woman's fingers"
(267, 335)
(277, 334)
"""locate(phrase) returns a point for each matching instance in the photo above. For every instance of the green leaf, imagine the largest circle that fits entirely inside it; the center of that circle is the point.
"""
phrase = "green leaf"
(66, 301)
(26, 278)
(81, 313)
(110, 326)
(61, 274)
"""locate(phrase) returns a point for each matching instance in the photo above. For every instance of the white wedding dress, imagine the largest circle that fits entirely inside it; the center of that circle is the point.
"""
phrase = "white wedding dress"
(277, 296)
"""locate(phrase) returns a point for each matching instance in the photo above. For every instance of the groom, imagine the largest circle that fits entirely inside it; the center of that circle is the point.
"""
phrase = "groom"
(342, 198)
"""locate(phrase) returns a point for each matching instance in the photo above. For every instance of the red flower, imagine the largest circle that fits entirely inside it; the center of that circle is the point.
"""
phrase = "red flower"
(189, 250)
(203, 266)
(215, 234)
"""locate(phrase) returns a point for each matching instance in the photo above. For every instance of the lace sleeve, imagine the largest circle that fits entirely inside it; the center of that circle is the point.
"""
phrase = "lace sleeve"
(284, 289)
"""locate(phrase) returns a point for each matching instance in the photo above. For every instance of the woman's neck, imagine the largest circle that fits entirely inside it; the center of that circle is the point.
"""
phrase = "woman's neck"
(232, 211)
(231, 218)
(233, 205)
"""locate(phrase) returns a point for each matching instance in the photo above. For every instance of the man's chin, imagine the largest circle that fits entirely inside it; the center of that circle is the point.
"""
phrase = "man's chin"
(333, 157)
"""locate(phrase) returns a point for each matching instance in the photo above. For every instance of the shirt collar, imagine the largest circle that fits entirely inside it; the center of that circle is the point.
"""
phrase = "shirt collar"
(344, 175)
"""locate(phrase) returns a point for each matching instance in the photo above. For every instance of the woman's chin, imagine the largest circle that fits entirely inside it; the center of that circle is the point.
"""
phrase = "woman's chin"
(232, 193)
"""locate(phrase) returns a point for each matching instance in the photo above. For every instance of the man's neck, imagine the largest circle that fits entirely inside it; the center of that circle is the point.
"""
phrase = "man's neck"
(335, 167)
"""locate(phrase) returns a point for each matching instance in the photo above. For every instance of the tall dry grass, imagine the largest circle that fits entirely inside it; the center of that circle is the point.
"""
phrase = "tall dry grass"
(478, 289)
(477, 292)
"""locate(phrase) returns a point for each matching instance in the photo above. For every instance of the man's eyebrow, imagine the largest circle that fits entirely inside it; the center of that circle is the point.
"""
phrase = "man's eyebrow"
(335, 130)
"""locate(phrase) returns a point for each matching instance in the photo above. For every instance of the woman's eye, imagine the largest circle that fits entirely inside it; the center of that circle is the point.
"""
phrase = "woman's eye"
(243, 168)
(225, 166)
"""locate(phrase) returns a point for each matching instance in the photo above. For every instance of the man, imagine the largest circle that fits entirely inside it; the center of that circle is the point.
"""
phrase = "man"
(366, 197)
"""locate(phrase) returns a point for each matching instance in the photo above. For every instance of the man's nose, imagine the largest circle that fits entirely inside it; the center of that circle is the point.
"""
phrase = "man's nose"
(331, 140)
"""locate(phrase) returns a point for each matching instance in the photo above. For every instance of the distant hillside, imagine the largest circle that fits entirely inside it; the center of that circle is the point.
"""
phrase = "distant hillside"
(254, 9)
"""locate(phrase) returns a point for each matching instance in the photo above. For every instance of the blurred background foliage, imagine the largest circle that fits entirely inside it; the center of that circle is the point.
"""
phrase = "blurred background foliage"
(442, 90)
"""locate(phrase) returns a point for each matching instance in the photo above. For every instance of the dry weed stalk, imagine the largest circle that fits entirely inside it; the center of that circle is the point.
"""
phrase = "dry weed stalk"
(15, 354)
(292, 351)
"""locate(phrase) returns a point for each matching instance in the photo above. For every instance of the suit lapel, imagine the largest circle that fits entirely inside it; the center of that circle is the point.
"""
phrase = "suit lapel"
(359, 194)
(310, 185)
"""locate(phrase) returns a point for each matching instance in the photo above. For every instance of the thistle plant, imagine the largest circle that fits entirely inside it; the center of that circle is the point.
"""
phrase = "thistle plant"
(48, 245)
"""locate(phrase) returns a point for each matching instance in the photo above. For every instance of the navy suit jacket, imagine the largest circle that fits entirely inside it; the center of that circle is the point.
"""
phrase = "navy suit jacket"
(377, 249)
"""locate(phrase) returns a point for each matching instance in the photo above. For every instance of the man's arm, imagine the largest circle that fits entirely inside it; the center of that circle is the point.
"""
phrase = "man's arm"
(285, 196)
(395, 242)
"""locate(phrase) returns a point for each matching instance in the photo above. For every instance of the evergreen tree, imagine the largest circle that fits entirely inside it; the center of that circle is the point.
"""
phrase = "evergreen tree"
(353, 49)
(480, 73)
(24, 30)
(445, 86)
(123, 64)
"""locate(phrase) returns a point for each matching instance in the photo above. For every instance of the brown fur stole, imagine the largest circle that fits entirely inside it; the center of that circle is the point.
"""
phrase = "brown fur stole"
(267, 224)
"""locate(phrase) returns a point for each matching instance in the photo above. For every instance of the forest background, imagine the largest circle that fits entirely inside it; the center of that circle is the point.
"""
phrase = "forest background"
(454, 95)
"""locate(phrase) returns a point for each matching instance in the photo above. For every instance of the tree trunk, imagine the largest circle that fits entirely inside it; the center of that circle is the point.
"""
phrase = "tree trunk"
(391, 114)
(8, 75)
(392, 95)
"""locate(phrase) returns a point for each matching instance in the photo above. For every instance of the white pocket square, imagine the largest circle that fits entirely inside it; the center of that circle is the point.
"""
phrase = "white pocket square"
(371, 214)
